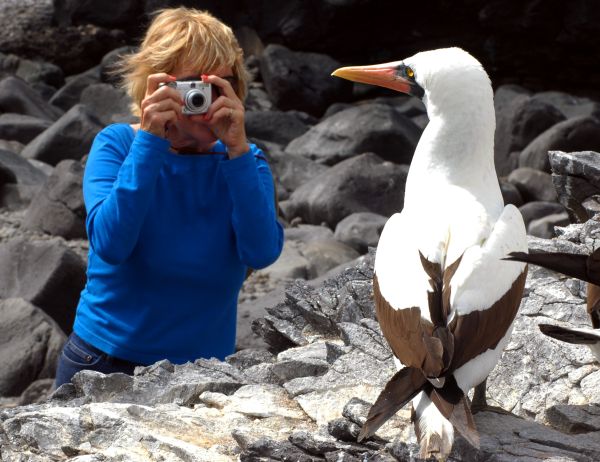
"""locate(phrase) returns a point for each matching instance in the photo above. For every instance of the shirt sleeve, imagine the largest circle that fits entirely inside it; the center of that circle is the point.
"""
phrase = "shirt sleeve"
(259, 235)
(118, 186)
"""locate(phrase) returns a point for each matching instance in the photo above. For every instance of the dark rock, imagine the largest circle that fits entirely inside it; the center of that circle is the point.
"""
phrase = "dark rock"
(58, 209)
(576, 176)
(39, 390)
(267, 449)
(510, 193)
(360, 230)
(335, 108)
(310, 444)
(340, 456)
(343, 430)
(294, 171)
(119, 15)
(257, 98)
(252, 45)
(294, 80)
(70, 137)
(539, 209)
(45, 273)
(70, 94)
(374, 128)
(293, 368)
(30, 346)
(356, 410)
(33, 72)
(506, 94)
(517, 124)
(21, 128)
(366, 338)
(18, 97)
(277, 126)
(576, 134)
(364, 183)
(108, 104)
(544, 227)
(574, 419)
(533, 185)
(12, 146)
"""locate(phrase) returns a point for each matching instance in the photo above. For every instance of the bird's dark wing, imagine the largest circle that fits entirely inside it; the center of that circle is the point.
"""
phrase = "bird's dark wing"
(575, 336)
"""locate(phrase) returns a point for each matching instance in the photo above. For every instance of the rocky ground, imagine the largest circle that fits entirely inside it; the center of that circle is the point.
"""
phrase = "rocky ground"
(311, 357)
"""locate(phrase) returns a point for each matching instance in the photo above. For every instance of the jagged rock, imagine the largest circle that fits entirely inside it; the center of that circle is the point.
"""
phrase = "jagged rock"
(276, 126)
(534, 185)
(70, 137)
(576, 176)
(375, 127)
(46, 273)
(575, 419)
(574, 134)
(18, 97)
(30, 346)
(517, 124)
(58, 209)
(22, 128)
(364, 183)
(70, 94)
(294, 80)
(360, 230)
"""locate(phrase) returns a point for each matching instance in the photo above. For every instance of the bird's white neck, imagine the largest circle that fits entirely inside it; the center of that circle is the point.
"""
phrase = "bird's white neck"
(457, 147)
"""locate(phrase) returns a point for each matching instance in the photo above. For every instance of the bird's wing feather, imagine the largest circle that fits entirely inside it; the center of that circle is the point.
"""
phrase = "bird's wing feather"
(571, 334)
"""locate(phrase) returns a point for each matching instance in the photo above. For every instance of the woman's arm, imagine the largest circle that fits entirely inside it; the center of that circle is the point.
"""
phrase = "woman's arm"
(259, 235)
(118, 188)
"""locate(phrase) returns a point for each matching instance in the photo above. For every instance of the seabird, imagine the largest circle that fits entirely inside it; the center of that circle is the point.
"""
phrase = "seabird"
(584, 267)
(445, 301)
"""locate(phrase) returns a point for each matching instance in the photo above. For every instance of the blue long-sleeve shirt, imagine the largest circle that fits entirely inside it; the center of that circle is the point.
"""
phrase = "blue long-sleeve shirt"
(171, 237)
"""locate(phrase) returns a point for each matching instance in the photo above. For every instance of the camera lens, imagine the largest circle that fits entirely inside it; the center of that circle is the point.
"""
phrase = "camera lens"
(194, 100)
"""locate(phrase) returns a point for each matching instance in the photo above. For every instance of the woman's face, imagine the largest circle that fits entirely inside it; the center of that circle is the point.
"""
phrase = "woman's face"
(187, 135)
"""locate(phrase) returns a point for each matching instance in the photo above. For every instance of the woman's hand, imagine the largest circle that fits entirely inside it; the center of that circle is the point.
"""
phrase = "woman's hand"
(225, 117)
(161, 105)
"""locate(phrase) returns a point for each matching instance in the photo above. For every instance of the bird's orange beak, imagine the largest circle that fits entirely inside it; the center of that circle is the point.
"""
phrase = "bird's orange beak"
(382, 75)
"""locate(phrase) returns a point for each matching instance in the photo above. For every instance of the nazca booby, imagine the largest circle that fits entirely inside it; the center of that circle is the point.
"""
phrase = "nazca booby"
(584, 267)
(445, 301)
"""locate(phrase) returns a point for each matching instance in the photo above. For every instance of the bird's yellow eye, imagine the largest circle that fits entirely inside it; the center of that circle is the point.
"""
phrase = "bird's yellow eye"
(409, 72)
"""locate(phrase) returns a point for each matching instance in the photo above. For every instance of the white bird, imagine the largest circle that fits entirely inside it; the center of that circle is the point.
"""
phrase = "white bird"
(586, 268)
(445, 301)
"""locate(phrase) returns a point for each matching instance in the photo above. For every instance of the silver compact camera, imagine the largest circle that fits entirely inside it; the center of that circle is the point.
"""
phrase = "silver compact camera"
(197, 95)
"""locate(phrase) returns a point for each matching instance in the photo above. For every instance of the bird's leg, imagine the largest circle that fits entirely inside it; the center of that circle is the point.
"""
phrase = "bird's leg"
(479, 403)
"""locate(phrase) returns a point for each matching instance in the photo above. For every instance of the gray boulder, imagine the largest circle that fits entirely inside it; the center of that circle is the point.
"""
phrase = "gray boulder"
(70, 137)
(294, 80)
(539, 209)
(576, 177)
(21, 179)
(533, 185)
(21, 128)
(18, 97)
(108, 104)
(58, 209)
(257, 98)
(360, 230)
(46, 273)
(571, 106)
(544, 227)
(30, 344)
(377, 128)
(510, 193)
(517, 124)
(120, 14)
(32, 72)
(276, 126)
(365, 183)
(293, 171)
(324, 254)
(70, 94)
(576, 134)
(307, 233)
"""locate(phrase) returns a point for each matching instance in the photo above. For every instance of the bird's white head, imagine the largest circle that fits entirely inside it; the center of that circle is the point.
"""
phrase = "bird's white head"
(441, 78)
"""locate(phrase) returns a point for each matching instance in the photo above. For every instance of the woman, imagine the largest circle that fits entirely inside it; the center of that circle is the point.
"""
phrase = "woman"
(178, 208)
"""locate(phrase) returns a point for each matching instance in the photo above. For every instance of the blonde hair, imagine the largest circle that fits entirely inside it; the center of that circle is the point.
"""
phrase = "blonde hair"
(182, 37)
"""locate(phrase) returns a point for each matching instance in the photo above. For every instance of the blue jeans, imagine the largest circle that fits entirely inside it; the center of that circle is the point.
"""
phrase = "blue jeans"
(77, 355)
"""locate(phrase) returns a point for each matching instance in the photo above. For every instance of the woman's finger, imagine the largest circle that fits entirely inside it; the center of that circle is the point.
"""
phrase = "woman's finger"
(223, 84)
(217, 104)
(154, 80)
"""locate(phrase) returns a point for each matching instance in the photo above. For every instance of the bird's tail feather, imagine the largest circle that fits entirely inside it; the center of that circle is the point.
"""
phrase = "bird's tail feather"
(570, 264)
(400, 389)
(567, 335)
